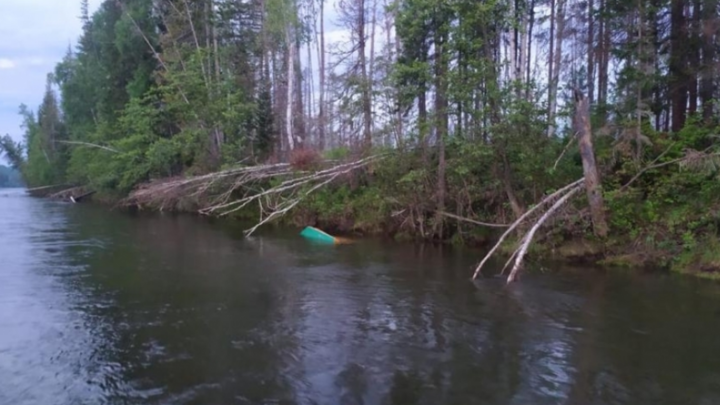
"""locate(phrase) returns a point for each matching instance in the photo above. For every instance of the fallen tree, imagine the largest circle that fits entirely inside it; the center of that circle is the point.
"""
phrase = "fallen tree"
(227, 191)
(557, 199)
(590, 182)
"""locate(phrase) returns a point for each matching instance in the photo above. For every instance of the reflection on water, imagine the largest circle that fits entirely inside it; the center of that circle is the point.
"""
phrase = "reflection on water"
(99, 307)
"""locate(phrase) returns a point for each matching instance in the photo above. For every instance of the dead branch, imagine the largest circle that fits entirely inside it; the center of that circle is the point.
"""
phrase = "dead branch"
(88, 144)
(520, 252)
(572, 139)
(230, 190)
(689, 155)
(289, 205)
(472, 221)
(291, 184)
(522, 219)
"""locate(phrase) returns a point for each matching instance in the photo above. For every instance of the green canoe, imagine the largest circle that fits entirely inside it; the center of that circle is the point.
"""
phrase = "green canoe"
(317, 235)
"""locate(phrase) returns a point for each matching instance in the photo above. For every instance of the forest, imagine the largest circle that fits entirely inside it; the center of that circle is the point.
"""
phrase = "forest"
(442, 120)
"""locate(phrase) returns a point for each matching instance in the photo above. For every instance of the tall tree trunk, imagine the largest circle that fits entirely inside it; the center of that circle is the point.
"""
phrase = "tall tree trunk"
(321, 71)
(389, 24)
(591, 51)
(528, 71)
(366, 102)
(523, 51)
(694, 58)
(557, 60)
(678, 77)
(441, 113)
(299, 119)
(603, 60)
(371, 74)
(551, 51)
(593, 186)
(290, 90)
(709, 69)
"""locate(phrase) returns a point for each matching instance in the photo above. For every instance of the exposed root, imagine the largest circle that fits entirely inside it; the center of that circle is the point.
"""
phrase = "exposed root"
(560, 196)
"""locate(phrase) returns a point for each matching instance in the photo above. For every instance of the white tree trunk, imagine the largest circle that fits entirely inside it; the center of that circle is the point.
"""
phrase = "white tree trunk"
(555, 65)
(290, 88)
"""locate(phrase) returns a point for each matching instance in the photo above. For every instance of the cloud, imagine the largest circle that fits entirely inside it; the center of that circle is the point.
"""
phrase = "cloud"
(6, 63)
(35, 34)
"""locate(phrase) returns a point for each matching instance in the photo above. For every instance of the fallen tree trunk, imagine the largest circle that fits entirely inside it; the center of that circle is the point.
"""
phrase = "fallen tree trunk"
(228, 191)
(520, 252)
(559, 193)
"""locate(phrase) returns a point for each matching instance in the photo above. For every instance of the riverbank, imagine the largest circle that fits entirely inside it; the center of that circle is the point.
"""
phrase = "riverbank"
(365, 204)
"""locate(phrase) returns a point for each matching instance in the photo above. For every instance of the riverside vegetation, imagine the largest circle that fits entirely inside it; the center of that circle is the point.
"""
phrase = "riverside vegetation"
(411, 118)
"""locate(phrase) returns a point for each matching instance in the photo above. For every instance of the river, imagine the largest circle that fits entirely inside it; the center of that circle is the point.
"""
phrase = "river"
(103, 307)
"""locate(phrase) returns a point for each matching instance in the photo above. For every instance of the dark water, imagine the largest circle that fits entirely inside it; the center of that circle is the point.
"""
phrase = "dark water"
(99, 307)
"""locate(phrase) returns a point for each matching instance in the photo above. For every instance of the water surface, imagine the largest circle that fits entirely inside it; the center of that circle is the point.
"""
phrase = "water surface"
(100, 307)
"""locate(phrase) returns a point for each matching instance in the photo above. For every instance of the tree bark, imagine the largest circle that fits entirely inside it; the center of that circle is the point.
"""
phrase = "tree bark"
(603, 60)
(290, 89)
(441, 107)
(365, 91)
(528, 71)
(557, 60)
(678, 77)
(591, 51)
(593, 186)
(321, 67)
(710, 24)
(694, 58)
(299, 119)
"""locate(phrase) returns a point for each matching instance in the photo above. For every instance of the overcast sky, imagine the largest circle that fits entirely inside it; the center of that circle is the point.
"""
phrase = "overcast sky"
(34, 36)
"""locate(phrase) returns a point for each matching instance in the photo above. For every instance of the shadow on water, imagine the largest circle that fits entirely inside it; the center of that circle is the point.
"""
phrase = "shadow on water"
(99, 307)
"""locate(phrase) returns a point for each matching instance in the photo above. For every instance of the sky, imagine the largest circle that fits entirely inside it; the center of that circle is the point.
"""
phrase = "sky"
(34, 36)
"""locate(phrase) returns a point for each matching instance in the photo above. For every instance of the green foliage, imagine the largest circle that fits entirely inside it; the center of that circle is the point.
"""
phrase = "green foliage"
(12, 151)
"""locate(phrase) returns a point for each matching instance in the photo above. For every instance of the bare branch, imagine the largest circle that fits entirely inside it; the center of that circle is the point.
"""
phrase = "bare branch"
(522, 218)
(520, 252)
(88, 144)
(472, 221)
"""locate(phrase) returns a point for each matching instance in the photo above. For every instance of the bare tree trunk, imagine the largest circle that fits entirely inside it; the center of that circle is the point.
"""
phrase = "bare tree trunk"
(389, 24)
(290, 88)
(208, 24)
(441, 107)
(694, 58)
(591, 51)
(557, 59)
(528, 72)
(551, 51)
(366, 107)
(309, 93)
(299, 119)
(710, 25)
(678, 66)
(523, 52)
(372, 50)
(593, 186)
(603, 59)
(321, 66)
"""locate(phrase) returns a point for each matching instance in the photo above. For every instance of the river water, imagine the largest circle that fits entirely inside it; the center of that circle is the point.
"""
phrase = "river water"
(101, 307)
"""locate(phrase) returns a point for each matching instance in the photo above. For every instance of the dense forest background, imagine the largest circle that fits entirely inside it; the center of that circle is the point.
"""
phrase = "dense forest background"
(473, 99)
